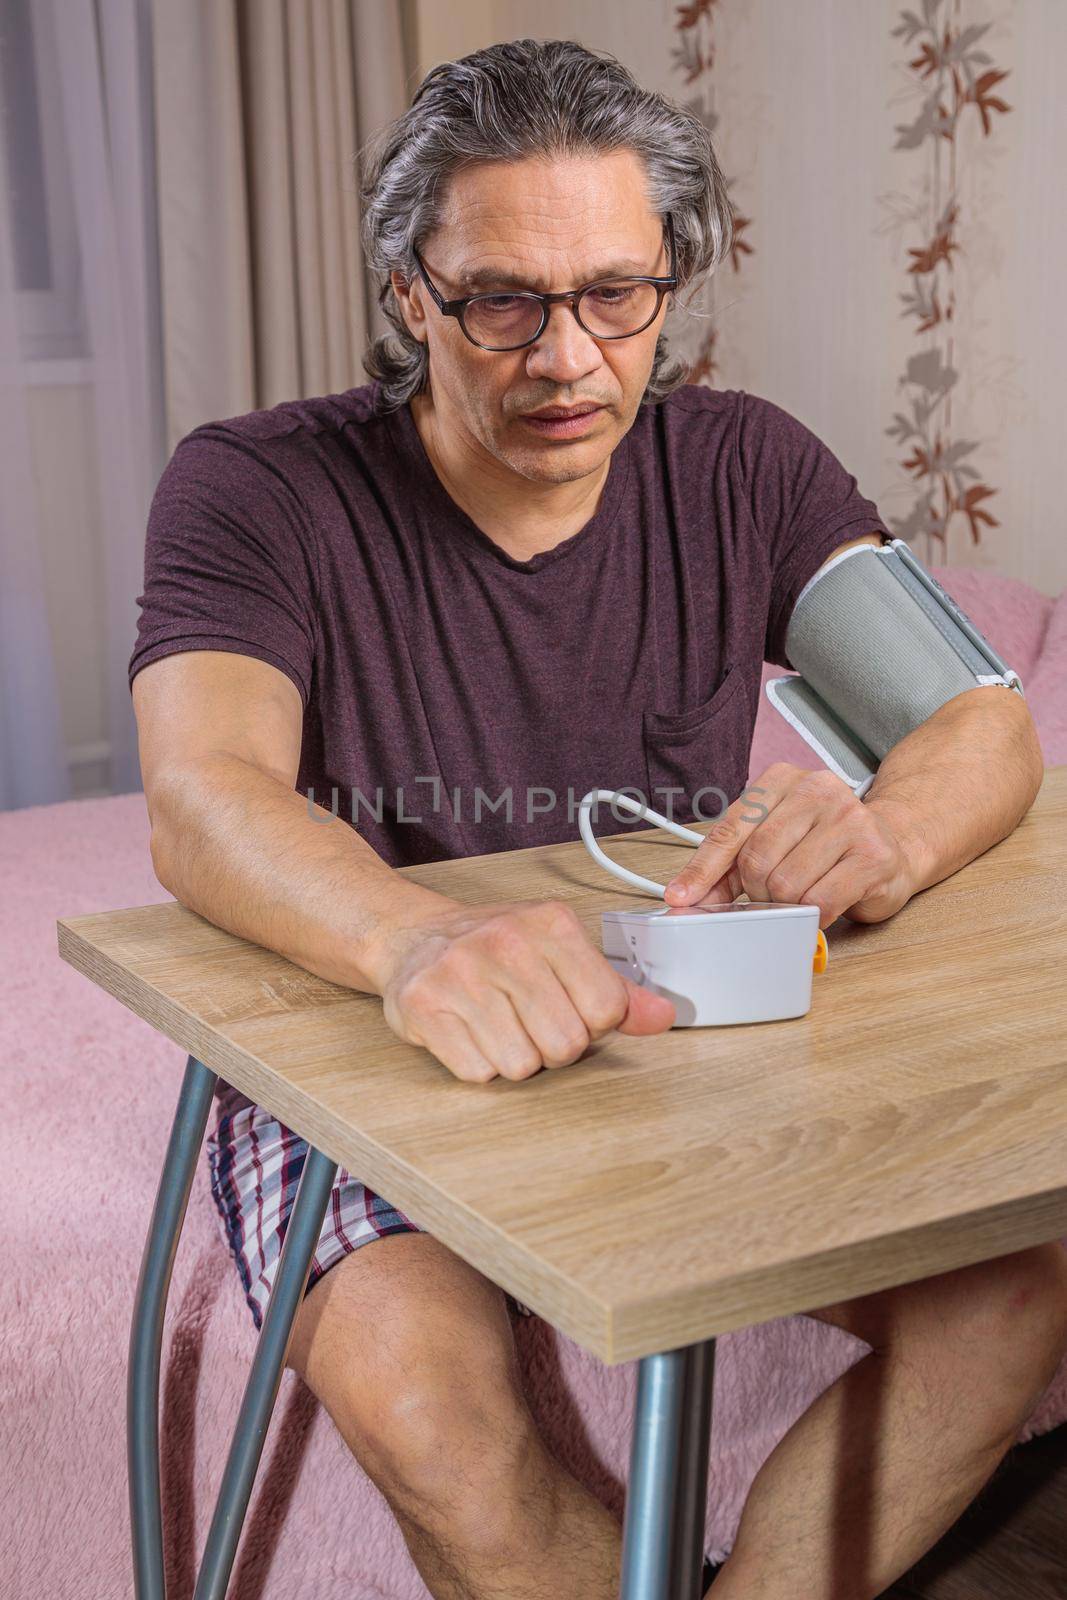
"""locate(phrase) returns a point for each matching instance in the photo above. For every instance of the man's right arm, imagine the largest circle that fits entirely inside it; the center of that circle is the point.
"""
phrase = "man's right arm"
(232, 839)
(490, 989)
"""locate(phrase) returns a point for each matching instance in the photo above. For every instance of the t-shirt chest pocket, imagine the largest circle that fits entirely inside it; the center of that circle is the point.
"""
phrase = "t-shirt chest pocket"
(705, 748)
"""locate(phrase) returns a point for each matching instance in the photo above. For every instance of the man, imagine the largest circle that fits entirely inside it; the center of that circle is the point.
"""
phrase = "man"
(436, 580)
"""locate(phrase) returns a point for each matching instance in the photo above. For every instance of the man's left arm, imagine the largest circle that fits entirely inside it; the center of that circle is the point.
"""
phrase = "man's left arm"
(957, 784)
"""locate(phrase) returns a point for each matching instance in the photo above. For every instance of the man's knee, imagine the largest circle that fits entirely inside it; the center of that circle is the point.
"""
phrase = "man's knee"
(460, 1460)
(1027, 1294)
(415, 1362)
(1005, 1319)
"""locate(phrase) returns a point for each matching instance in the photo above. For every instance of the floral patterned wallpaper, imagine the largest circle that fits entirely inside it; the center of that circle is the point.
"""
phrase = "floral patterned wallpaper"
(950, 76)
(953, 78)
(693, 59)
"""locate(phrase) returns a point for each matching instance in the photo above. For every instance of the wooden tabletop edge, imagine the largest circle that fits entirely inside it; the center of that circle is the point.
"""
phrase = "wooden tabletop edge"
(1035, 1218)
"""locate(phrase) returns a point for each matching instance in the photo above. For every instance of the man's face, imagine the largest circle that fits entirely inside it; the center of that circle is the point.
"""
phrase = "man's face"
(545, 226)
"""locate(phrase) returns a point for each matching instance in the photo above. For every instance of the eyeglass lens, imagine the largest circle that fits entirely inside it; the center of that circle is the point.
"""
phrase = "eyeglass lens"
(607, 311)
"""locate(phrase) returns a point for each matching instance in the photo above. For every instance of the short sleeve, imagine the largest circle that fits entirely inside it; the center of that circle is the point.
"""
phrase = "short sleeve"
(803, 503)
(230, 559)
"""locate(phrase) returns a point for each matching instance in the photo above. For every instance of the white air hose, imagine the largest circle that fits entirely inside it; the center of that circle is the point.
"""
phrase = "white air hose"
(630, 804)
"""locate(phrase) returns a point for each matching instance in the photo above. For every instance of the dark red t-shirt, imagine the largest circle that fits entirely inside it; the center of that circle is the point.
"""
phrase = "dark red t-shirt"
(432, 665)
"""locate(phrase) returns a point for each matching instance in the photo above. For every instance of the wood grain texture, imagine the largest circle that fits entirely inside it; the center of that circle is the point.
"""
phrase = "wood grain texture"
(668, 1188)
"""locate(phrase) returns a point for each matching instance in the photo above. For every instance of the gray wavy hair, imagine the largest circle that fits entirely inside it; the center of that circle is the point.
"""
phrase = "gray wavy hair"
(510, 101)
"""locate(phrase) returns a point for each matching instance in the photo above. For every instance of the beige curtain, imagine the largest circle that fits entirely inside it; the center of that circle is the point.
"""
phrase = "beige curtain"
(261, 108)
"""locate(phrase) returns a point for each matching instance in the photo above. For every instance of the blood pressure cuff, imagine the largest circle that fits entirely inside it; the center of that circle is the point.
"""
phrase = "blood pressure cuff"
(878, 646)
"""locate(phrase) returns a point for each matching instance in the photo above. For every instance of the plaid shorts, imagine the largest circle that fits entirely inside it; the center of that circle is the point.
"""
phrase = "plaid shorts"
(255, 1167)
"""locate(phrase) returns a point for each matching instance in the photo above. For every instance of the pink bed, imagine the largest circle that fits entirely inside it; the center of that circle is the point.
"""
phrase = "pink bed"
(89, 1094)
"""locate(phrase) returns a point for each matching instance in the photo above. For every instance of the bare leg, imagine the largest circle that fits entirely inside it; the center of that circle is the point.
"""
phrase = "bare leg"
(891, 1454)
(411, 1352)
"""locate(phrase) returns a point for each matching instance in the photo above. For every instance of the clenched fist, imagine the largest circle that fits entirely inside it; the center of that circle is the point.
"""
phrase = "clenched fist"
(505, 989)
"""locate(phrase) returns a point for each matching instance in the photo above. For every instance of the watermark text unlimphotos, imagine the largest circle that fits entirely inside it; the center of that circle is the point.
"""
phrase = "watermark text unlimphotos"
(511, 804)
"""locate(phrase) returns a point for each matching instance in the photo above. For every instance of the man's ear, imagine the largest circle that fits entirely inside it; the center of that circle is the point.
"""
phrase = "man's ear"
(410, 307)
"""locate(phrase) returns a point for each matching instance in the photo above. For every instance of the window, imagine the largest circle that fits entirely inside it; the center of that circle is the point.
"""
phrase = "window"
(35, 186)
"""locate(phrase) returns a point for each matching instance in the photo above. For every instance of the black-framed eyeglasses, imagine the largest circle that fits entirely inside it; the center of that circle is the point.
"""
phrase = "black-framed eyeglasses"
(610, 308)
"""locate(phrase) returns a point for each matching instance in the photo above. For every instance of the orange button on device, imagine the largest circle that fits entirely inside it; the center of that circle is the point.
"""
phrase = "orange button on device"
(822, 953)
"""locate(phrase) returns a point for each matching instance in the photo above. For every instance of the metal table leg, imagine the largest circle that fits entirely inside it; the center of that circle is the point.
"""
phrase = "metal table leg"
(301, 1237)
(692, 1503)
(663, 1529)
(146, 1334)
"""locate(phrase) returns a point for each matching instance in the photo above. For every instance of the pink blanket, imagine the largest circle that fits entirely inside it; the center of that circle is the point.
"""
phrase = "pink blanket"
(89, 1091)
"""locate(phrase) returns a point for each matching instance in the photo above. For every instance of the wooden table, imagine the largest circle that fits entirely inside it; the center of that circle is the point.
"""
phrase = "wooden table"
(659, 1192)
